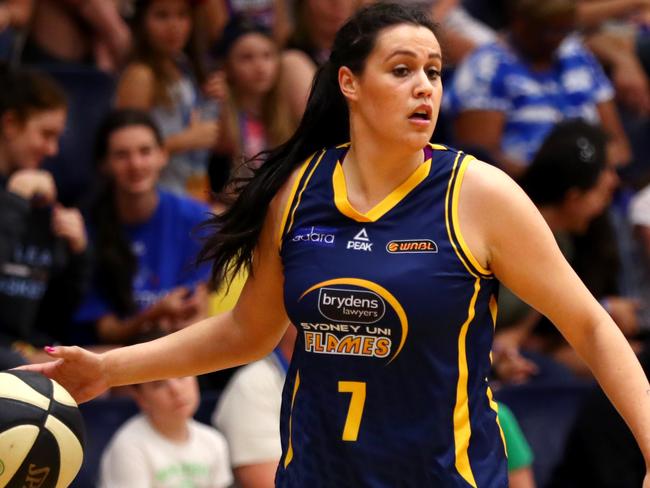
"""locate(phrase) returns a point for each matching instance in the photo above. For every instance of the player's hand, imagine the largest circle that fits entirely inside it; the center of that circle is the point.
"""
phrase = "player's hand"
(31, 183)
(646, 480)
(68, 224)
(79, 371)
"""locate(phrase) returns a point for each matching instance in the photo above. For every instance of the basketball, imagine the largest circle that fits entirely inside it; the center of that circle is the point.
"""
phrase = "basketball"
(41, 432)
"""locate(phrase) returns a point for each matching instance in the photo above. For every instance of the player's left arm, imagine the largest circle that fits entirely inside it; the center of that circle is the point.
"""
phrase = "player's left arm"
(507, 234)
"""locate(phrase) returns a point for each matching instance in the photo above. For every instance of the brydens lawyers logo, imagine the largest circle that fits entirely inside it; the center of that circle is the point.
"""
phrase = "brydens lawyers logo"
(356, 306)
(319, 236)
(412, 246)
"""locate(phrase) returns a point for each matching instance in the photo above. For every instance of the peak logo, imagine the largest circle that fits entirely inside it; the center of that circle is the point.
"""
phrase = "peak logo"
(351, 306)
(423, 246)
(360, 242)
(319, 236)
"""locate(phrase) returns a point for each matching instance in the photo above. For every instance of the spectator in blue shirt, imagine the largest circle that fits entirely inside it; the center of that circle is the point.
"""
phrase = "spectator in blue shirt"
(507, 96)
(145, 276)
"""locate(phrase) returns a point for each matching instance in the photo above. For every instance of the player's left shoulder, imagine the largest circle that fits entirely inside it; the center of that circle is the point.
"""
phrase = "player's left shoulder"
(486, 181)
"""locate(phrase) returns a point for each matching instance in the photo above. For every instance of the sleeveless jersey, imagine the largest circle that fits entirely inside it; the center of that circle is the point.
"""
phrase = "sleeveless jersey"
(387, 386)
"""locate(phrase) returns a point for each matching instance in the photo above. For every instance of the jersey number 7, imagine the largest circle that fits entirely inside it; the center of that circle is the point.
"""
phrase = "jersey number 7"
(355, 410)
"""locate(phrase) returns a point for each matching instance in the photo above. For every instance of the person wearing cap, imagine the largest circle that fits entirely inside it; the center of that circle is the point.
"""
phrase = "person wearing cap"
(571, 184)
(507, 96)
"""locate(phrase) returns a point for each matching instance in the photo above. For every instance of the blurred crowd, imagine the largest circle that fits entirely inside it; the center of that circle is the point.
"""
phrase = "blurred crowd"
(123, 123)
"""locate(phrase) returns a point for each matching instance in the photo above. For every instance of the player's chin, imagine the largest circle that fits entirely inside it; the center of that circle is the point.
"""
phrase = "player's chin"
(417, 139)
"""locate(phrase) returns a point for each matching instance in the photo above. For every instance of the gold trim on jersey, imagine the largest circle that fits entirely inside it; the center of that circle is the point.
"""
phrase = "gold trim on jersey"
(393, 198)
(494, 406)
(292, 195)
(379, 290)
(454, 215)
(462, 425)
(289, 457)
(296, 203)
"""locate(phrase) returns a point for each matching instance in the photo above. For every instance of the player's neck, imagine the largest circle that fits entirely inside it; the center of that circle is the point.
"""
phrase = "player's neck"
(372, 172)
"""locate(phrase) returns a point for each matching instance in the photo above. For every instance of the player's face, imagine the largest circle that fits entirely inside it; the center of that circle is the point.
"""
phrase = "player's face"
(398, 94)
(134, 160)
(170, 399)
(28, 143)
(168, 24)
(253, 65)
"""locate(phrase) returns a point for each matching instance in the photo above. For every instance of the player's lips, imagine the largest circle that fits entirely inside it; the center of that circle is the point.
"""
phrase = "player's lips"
(422, 115)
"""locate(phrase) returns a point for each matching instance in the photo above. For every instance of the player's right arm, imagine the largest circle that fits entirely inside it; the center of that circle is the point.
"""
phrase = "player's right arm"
(247, 333)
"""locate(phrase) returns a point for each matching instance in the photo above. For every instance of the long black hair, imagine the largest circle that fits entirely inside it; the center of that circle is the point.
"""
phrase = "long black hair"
(325, 123)
(116, 264)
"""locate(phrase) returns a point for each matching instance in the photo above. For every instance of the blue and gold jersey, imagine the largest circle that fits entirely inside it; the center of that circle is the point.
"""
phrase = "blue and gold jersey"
(395, 317)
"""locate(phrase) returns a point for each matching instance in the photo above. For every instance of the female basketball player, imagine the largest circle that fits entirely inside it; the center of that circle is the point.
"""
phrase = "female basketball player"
(384, 253)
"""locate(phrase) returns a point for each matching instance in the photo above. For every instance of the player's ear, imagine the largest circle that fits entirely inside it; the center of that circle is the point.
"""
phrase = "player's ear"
(348, 83)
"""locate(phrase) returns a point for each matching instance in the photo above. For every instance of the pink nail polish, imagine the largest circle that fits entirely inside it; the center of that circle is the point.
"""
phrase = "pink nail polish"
(49, 349)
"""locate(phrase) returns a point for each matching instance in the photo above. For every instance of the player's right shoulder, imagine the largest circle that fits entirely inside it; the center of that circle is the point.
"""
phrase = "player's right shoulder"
(282, 202)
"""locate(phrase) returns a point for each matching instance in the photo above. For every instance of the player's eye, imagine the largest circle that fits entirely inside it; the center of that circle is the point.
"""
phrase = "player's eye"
(401, 71)
(433, 74)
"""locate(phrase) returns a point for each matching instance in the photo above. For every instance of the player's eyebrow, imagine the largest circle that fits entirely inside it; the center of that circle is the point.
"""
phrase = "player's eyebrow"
(407, 52)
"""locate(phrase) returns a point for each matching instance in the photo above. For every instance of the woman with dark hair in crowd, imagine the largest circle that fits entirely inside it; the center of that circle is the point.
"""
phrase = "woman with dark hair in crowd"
(164, 77)
(144, 276)
(44, 263)
(382, 250)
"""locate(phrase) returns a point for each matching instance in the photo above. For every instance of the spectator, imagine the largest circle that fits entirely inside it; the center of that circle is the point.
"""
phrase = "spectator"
(257, 118)
(78, 32)
(164, 77)
(614, 31)
(508, 96)
(248, 413)
(315, 25)
(639, 217)
(163, 446)
(14, 17)
(44, 261)
(520, 456)
(571, 184)
(145, 278)
(600, 451)
(273, 15)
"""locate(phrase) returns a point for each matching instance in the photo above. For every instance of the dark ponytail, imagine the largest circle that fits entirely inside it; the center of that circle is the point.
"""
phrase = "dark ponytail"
(325, 123)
